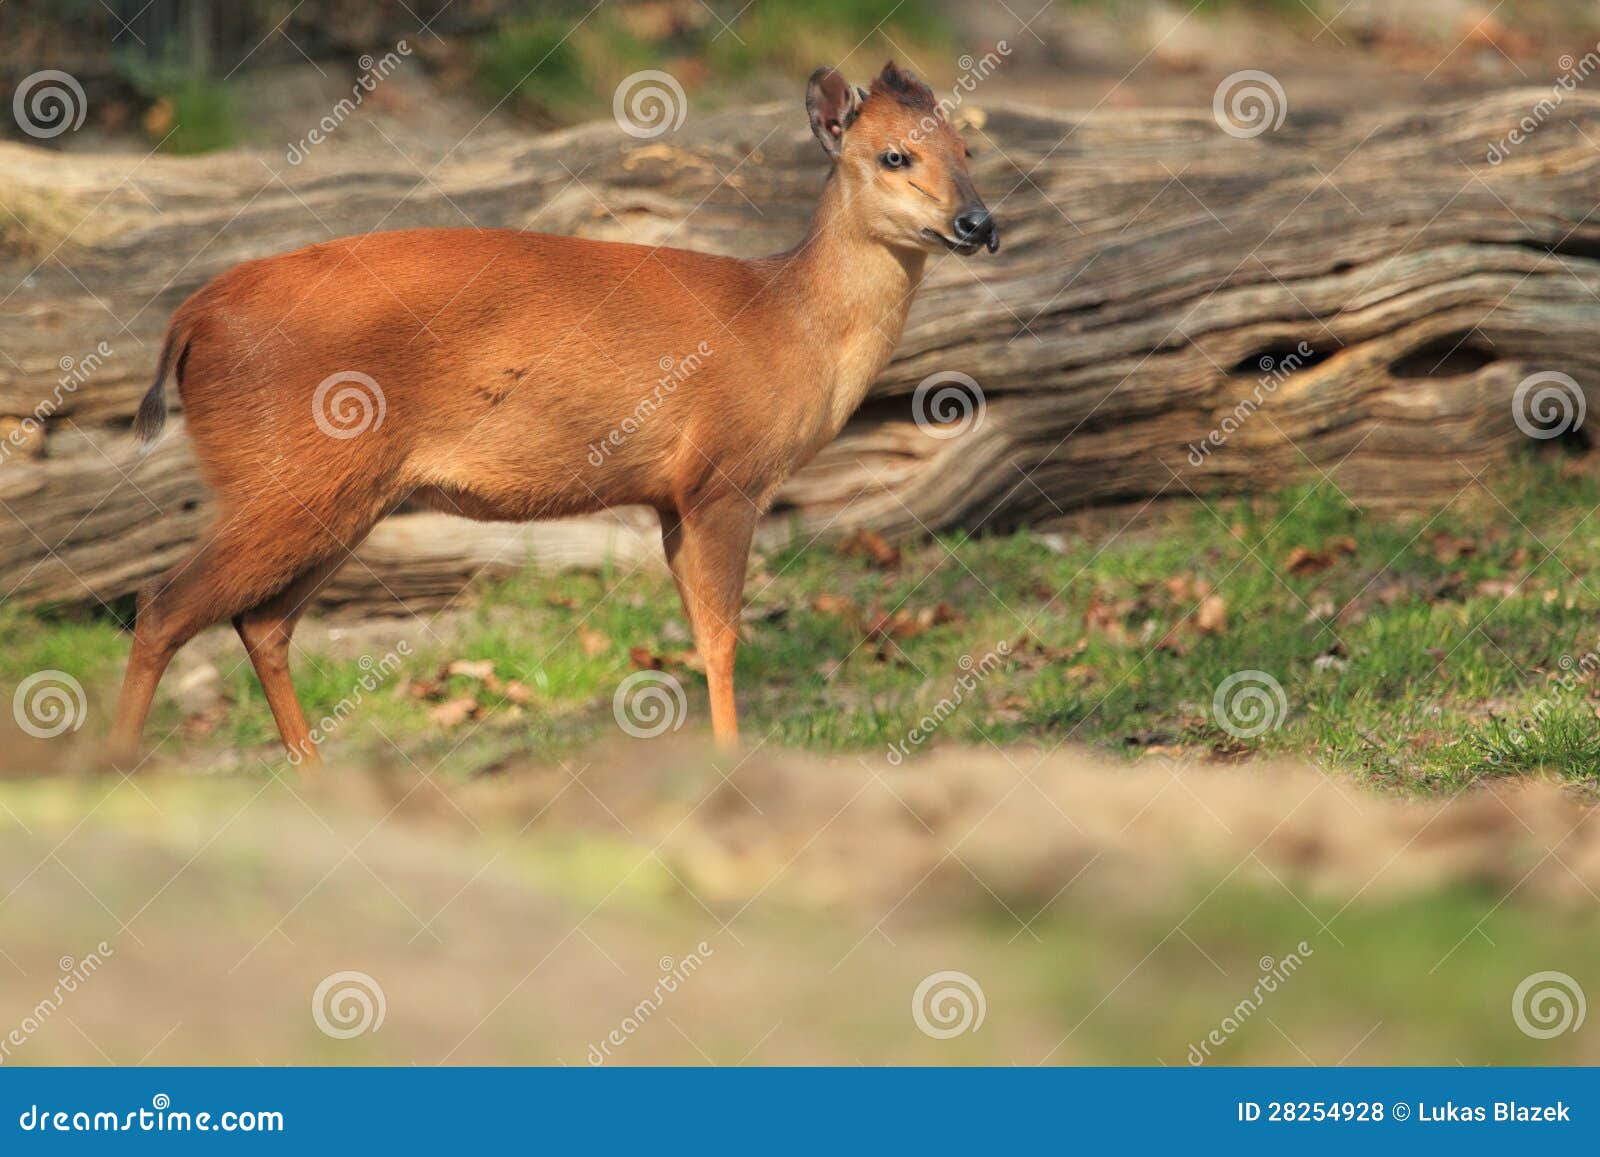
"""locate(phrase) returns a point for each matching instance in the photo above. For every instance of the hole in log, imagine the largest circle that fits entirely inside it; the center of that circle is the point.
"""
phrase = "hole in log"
(880, 411)
(1585, 247)
(1450, 356)
(1575, 441)
(1280, 360)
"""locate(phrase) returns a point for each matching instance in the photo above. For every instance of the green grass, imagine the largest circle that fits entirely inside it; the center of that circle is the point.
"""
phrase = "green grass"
(541, 65)
(202, 118)
(1427, 651)
(187, 113)
(559, 69)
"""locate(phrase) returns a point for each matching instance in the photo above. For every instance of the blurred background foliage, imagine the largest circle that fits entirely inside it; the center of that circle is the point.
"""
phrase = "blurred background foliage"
(179, 72)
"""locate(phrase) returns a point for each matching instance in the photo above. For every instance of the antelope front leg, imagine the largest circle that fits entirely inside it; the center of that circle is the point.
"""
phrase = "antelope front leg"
(708, 547)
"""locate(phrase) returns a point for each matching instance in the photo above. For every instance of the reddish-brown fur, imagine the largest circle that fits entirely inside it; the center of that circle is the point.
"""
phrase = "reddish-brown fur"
(508, 363)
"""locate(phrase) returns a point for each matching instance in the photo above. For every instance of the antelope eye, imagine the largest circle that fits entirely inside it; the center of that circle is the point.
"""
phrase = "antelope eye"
(893, 159)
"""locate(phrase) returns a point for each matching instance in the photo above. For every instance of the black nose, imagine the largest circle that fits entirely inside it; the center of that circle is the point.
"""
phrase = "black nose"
(974, 226)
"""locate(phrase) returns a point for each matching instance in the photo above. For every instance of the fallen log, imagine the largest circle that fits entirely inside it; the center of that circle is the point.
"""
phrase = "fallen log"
(1177, 310)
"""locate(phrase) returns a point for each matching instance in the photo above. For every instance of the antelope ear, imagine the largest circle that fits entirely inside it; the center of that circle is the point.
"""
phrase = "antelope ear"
(832, 104)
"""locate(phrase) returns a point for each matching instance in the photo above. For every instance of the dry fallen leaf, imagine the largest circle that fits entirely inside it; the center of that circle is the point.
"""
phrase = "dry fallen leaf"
(833, 605)
(1172, 643)
(901, 624)
(471, 668)
(1447, 548)
(593, 642)
(1303, 560)
(644, 659)
(871, 544)
(421, 689)
(1212, 616)
(1107, 618)
(158, 118)
(454, 712)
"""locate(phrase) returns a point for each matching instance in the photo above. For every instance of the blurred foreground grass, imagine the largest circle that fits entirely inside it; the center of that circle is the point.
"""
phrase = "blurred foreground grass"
(524, 918)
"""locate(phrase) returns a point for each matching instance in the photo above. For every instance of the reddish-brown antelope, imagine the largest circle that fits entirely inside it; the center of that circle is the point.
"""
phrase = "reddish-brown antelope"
(497, 369)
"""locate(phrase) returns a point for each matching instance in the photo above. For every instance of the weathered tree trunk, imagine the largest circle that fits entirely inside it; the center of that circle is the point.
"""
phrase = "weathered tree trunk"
(1357, 295)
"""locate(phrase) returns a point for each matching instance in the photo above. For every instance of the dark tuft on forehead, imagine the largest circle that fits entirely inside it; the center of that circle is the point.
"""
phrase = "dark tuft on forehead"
(904, 87)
